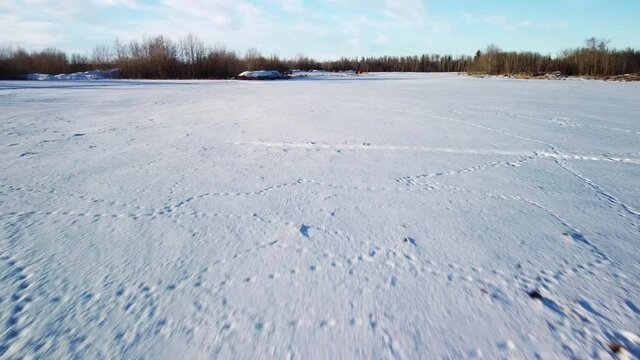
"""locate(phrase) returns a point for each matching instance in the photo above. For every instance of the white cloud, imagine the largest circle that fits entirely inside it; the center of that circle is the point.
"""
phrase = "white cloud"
(293, 6)
(29, 33)
(381, 40)
(407, 12)
(393, 12)
(127, 3)
(51, 23)
(67, 9)
(526, 23)
(285, 27)
(222, 13)
(506, 23)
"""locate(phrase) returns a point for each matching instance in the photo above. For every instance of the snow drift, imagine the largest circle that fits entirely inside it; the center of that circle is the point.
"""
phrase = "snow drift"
(86, 75)
(262, 75)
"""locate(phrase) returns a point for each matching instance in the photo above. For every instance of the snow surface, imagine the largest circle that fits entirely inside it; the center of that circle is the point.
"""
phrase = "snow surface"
(383, 216)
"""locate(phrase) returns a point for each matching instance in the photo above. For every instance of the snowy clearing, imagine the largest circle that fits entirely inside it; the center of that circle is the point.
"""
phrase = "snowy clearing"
(384, 216)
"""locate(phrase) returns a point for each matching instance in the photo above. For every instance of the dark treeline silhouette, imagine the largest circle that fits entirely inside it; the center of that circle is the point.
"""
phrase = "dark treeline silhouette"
(162, 58)
(423, 63)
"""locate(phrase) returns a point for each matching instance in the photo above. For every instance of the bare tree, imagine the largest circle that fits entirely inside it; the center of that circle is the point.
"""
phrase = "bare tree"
(161, 58)
(253, 59)
(102, 56)
(192, 52)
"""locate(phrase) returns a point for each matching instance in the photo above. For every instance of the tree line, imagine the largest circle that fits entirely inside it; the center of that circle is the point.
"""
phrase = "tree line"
(190, 58)
(594, 58)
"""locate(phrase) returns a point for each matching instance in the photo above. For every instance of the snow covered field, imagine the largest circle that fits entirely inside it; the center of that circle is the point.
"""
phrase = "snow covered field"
(384, 216)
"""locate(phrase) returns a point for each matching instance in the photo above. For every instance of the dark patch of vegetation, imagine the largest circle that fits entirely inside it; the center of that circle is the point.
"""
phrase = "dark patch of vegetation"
(615, 347)
(535, 294)
(162, 58)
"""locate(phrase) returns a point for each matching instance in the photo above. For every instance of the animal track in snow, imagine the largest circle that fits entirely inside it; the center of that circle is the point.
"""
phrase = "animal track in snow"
(411, 180)
(553, 154)
(629, 213)
(16, 277)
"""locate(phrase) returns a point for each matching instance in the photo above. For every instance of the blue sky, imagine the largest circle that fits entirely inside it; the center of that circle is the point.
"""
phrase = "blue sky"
(325, 28)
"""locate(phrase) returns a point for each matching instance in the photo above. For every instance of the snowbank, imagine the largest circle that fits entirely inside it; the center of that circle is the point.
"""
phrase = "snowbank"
(297, 74)
(321, 73)
(261, 75)
(625, 77)
(86, 75)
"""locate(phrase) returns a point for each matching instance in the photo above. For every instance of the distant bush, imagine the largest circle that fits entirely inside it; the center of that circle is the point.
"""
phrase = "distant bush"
(162, 58)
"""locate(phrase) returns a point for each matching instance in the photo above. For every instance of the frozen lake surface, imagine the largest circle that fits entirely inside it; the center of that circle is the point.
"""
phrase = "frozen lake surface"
(402, 216)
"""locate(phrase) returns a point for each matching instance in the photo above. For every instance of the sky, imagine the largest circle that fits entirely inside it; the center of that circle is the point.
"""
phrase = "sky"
(324, 29)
